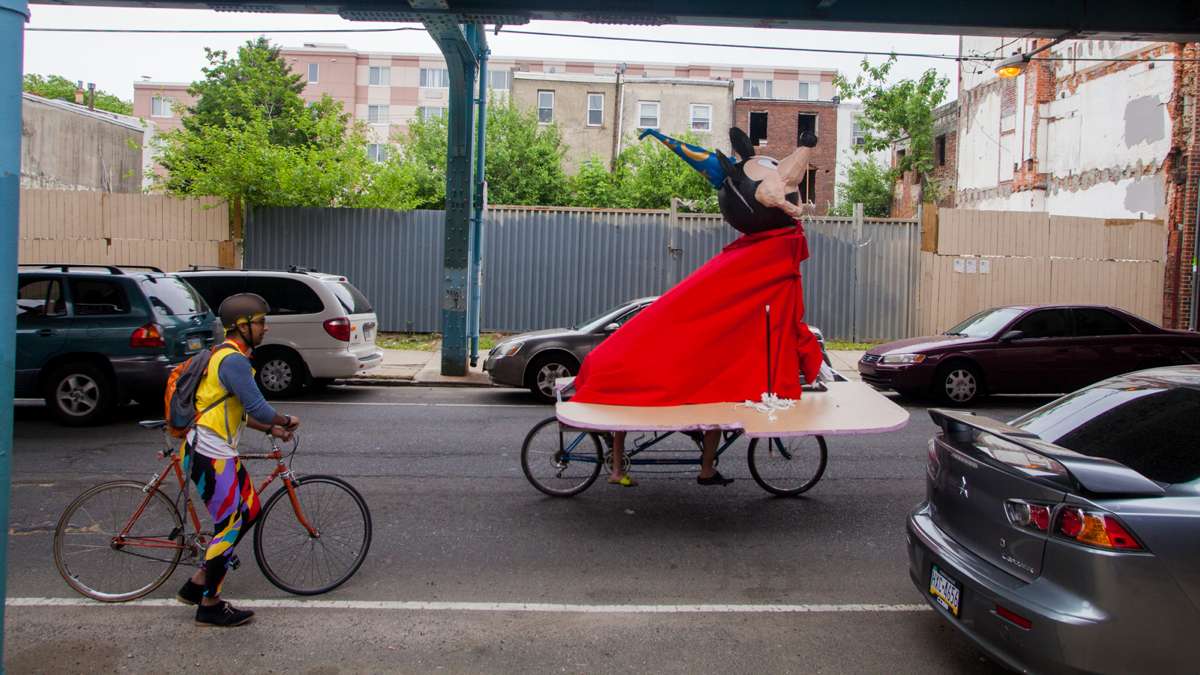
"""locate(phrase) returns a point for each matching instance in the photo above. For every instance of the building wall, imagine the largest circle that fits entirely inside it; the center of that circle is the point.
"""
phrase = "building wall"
(570, 114)
(782, 130)
(144, 93)
(847, 113)
(68, 147)
(675, 98)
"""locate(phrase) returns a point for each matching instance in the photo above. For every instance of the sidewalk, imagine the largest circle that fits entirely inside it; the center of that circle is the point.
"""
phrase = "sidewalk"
(403, 367)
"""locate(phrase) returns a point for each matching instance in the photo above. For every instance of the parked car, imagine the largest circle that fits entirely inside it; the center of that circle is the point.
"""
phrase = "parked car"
(1044, 349)
(321, 326)
(534, 360)
(90, 337)
(1068, 540)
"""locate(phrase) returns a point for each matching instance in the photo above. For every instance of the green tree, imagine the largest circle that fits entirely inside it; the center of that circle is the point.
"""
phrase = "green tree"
(648, 175)
(895, 112)
(869, 184)
(594, 186)
(59, 87)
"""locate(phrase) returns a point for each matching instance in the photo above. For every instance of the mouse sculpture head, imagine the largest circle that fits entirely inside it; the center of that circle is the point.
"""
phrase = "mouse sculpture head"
(756, 192)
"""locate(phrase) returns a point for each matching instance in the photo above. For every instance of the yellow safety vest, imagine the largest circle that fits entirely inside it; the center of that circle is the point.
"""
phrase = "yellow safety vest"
(229, 417)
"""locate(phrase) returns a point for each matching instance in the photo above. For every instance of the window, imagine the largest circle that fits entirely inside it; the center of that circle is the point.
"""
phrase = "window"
(435, 77)
(377, 114)
(1147, 426)
(985, 323)
(808, 188)
(647, 114)
(286, 296)
(1099, 322)
(162, 106)
(758, 128)
(39, 298)
(430, 111)
(379, 75)
(214, 289)
(377, 152)
(500, 80)
(805, 123)
(859, 133)
(809, 91)
(172, 296)
(701, 117)
(756, 88)
(98, 297)
(545, 103)
(314, 72)
(351, 299)
(1046, 323)
(940, 149)
(595, 110)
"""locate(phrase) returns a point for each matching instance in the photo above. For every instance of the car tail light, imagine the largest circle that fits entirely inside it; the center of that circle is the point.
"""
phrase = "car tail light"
(1028, 514)
(934, 466)
(148, 336)
(338, 329)
(1097, 529)
(1012, 616)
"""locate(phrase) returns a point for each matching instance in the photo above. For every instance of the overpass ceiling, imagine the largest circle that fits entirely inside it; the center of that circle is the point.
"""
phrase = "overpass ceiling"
(1169, 20)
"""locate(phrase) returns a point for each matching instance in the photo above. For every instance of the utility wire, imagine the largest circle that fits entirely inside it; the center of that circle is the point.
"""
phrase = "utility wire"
(172, 31)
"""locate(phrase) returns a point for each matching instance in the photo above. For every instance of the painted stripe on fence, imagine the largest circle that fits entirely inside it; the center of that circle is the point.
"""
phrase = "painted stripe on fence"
(530, 607)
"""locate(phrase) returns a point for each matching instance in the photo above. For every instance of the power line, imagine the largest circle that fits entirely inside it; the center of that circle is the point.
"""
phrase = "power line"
(177, 31)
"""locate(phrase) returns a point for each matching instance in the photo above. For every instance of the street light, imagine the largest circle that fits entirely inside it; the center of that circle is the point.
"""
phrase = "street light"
(1012, 66)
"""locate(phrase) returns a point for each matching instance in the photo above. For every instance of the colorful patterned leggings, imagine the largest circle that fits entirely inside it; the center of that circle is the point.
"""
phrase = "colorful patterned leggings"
(226, 489)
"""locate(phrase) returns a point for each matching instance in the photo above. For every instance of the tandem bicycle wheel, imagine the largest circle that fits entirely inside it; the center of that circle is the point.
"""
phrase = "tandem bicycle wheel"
(560, 461)
(94, 559)
(787, 466)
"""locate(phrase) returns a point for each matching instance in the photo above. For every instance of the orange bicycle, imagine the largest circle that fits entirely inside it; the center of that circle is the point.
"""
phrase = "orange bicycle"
(122, 539)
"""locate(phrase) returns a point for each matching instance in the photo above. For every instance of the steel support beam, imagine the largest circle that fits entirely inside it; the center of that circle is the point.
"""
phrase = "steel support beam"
(13, 15)
(461, 63)
(479, 43)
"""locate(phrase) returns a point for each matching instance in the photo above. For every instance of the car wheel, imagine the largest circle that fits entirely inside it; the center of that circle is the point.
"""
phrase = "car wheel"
(544, 371)
(959, 384)
(279, 374)
(80, 394)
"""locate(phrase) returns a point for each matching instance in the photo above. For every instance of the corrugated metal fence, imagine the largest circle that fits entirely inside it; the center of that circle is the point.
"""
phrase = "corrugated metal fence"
(548, 267)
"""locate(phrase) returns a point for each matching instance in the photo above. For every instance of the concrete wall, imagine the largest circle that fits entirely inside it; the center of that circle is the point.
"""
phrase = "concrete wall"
(68, 147)
(675, 98)
(570, 114)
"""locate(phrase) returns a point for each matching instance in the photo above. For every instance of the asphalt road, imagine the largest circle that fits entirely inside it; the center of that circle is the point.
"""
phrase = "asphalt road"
(456, 522)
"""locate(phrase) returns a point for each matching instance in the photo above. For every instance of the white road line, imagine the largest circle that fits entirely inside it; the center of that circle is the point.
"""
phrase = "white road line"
(421, 405)
(419, 606)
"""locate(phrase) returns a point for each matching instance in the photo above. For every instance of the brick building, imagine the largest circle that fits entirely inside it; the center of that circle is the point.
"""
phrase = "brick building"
(1090, 129)
(908, 191)
(775, 126)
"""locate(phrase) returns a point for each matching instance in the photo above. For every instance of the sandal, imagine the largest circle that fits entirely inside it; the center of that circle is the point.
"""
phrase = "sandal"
(623, 481)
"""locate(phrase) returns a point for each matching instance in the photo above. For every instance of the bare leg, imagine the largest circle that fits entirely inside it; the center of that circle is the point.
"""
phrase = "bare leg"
(618, 456)
(709, 452)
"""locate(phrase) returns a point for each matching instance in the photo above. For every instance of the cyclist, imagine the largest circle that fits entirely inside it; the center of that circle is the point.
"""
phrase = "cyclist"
(232, 401)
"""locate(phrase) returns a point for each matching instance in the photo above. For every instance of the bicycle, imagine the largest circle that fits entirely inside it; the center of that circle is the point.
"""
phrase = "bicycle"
(122, 539)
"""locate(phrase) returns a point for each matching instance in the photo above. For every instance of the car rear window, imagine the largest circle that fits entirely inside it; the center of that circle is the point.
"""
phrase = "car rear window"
(1150, 428)
(285, 296)
(98, 297)
(352, 299)
(172, 296)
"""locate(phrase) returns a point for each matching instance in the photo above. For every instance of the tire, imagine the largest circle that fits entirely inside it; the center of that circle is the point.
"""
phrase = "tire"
(279, 373)
(545, 370)
(958, 384)
(787, 466)
(560, 468)
(87, 527)
(342, 520)
(80, 394)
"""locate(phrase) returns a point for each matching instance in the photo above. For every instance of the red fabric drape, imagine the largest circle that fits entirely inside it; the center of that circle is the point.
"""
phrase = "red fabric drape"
(704, 341)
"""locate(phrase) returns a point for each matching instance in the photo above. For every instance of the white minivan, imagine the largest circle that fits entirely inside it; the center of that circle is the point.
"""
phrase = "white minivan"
(322, 327)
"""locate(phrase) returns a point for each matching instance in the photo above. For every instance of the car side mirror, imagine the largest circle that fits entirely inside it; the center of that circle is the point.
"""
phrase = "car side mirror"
(612, 327)
(1012, 335)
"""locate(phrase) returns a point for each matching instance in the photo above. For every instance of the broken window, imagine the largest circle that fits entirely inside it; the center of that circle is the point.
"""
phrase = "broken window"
(940, 150)
(808, 189)
(805, 122)
(758, 128)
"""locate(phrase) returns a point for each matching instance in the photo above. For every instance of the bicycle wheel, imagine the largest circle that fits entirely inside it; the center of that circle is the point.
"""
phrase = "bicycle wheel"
(560, 462)
(300, 563)
(787, 466)
(88, 557)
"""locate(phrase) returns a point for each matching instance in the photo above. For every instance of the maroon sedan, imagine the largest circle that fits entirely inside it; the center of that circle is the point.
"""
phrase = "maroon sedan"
(1044, 349)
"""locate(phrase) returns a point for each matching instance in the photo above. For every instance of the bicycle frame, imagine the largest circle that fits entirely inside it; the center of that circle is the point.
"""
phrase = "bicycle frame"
(638, 448)
(281, 469)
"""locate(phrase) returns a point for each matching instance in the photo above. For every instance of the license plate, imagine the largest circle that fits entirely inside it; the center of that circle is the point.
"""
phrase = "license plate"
(195, 344)
(945, 590)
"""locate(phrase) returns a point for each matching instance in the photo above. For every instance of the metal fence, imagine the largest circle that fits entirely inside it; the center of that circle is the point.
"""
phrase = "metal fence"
(550, 267)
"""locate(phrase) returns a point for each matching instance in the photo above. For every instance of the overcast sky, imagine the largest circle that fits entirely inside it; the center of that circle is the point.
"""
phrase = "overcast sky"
(114, 61)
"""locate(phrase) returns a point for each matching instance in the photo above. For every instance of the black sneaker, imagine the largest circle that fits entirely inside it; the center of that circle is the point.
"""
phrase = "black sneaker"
(222, 614)
(715, 479)
(190, 593)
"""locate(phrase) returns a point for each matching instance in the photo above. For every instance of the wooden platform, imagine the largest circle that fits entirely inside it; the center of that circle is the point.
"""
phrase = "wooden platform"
(844, 408)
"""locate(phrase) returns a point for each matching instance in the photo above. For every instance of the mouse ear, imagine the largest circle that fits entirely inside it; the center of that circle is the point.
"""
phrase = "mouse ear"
(742, 146)
(726, 165)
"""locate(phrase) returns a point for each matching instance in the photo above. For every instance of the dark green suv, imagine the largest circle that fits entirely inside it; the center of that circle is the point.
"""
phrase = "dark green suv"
(92, 337)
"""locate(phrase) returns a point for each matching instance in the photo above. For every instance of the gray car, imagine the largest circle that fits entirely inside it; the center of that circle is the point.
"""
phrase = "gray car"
(1068, 540)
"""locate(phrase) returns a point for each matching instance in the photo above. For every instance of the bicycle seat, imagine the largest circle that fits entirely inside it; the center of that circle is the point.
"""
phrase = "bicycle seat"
(152, 424)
